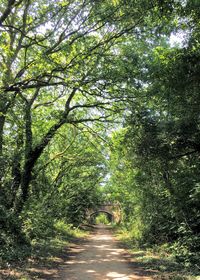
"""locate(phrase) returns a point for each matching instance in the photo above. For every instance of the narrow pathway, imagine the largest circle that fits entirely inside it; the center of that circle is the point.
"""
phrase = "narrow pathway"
(101, 259)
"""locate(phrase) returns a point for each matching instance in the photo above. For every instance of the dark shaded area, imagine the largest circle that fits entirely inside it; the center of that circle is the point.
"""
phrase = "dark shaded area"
(45, 259)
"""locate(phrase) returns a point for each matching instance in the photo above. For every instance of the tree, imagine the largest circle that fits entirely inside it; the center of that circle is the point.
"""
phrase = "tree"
(55, 60)
(162, 143)
(65, 182)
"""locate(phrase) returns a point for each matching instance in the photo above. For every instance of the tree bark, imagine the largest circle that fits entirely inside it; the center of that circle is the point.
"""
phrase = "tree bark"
(2, 122)
(32, 156)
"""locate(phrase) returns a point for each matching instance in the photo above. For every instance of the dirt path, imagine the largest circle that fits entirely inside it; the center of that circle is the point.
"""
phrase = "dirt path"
(101, 258)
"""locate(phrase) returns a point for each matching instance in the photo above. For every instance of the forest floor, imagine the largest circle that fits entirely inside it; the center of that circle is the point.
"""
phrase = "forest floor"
(99, 256)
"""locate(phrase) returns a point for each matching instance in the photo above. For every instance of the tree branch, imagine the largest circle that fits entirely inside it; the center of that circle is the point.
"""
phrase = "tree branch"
(99, 119)
(7, 11)
(184, 154)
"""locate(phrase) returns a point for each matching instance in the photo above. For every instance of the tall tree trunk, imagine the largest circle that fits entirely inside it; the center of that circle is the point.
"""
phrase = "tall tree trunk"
(31, 156)
(2, 122)
(16, 168)
(4, 106)
(23, 178)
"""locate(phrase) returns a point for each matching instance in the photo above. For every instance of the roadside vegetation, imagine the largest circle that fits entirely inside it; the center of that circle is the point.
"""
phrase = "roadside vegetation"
(42, 256)
(160, 259)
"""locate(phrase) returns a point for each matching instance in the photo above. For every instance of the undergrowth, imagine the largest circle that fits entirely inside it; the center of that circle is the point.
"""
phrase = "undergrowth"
(18, 261)
(162, 259)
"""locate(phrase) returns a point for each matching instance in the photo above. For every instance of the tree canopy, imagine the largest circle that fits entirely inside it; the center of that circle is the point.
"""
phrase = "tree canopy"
(98, 103)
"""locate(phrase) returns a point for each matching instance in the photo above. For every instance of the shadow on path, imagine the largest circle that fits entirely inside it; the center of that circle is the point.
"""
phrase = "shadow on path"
(101, 258)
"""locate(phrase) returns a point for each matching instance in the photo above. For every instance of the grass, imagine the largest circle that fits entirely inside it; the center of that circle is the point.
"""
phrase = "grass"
(41, 259)
(158, 260)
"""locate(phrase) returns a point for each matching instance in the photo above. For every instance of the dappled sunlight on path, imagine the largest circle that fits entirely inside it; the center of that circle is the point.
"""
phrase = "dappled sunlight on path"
(100, 258)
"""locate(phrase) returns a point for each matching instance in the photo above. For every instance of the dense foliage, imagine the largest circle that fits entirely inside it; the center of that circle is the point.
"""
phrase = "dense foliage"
(71, 72)
(155, 158)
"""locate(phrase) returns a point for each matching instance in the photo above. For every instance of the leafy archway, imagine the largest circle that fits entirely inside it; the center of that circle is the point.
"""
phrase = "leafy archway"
(106, 218)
